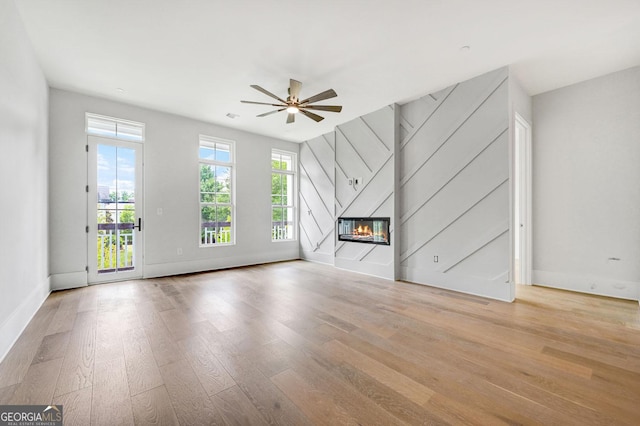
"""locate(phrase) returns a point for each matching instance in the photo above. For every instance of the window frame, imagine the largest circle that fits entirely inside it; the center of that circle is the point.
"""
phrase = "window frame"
(294, 194)
(205, 141)
(117, 122)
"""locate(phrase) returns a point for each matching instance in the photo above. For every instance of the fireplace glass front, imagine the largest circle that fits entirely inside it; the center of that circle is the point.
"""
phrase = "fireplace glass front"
(370, 230)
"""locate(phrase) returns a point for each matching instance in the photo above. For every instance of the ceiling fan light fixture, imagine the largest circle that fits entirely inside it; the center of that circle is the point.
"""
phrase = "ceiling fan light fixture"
(294, 105)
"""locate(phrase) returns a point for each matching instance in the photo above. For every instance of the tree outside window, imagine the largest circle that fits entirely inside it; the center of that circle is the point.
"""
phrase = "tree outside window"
(283, 177)
(216, 192)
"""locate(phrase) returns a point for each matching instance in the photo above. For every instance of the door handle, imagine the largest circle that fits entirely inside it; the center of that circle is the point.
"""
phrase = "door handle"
(139, 225)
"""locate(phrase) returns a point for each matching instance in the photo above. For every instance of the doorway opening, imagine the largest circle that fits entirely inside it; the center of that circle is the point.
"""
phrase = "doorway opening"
(522, 256)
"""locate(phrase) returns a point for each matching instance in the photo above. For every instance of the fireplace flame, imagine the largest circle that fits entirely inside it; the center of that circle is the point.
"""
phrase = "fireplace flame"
(360, 230)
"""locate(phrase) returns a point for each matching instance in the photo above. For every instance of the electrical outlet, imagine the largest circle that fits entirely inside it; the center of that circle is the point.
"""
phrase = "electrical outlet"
(435, 259)
(179, 251)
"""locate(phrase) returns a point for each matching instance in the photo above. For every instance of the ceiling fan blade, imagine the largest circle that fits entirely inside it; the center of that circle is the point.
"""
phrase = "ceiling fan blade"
(268, 93)
(260, 103)
(270, 112)
(294, 88)
(311, 115)
(291, 118)
(327, 94)
(331, 108)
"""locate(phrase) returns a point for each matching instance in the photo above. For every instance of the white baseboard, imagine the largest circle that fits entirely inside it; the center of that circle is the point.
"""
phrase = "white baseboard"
(493, 289)
(367, 268)
(600, 286)
(68, 280)
(187, 267)
(325, 258)
(18, 320)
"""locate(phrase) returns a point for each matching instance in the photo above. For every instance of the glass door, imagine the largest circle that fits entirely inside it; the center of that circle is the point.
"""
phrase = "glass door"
(115, 210)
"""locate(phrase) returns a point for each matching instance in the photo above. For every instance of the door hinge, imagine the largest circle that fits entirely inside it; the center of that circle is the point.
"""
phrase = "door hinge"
(87, 188)
(86, 268)
(87, 148)
(87, 229)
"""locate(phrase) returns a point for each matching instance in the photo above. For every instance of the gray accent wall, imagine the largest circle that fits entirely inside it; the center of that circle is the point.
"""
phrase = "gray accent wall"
(365, 150)
(317, 192)
(439, 167)
(454, 188)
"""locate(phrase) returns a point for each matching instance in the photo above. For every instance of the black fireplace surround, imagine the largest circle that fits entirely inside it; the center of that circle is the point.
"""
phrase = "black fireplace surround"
(368, 230)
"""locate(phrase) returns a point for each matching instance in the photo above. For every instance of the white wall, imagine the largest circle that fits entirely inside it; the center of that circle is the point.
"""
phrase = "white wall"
(317, 195)
(454, 188)
(586, 187)
(171, 183)
(519, 100)
(24, 270)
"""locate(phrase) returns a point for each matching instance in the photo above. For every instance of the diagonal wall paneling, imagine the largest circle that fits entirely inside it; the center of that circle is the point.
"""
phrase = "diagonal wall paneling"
(317, 195)
(454, 187)
(365, 149)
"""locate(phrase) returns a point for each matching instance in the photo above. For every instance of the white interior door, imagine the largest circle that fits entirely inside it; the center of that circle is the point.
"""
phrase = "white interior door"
(114, 210)
(522, 201)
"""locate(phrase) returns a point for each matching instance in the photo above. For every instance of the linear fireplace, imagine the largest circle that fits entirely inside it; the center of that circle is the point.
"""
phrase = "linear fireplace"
(369, 230)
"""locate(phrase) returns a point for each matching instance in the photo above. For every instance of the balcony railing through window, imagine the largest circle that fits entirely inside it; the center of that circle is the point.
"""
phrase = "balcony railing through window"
(220, 232)
(115, 247)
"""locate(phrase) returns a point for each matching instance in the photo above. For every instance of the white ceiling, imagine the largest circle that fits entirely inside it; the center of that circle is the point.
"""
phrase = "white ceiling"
(197, 58)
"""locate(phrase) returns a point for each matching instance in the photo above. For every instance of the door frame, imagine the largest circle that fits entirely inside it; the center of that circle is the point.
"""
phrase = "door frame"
(524, 225)
(92, 193)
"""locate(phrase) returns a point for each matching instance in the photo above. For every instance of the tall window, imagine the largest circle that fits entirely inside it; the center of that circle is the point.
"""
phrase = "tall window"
(283, 200)
(217, 208)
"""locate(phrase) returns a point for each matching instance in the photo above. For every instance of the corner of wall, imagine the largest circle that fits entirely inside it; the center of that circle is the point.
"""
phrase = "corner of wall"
(397, 274)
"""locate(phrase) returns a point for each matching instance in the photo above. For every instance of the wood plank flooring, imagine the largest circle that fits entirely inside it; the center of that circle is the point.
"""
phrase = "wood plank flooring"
(297, 343)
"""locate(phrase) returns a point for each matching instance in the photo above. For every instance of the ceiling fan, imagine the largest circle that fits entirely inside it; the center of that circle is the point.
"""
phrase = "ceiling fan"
(294, 105)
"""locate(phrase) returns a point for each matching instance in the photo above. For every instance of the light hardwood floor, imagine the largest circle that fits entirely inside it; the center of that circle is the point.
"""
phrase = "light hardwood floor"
(298, 343)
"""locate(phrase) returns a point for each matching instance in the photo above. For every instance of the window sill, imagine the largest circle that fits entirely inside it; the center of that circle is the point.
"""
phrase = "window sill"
(216, 245)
